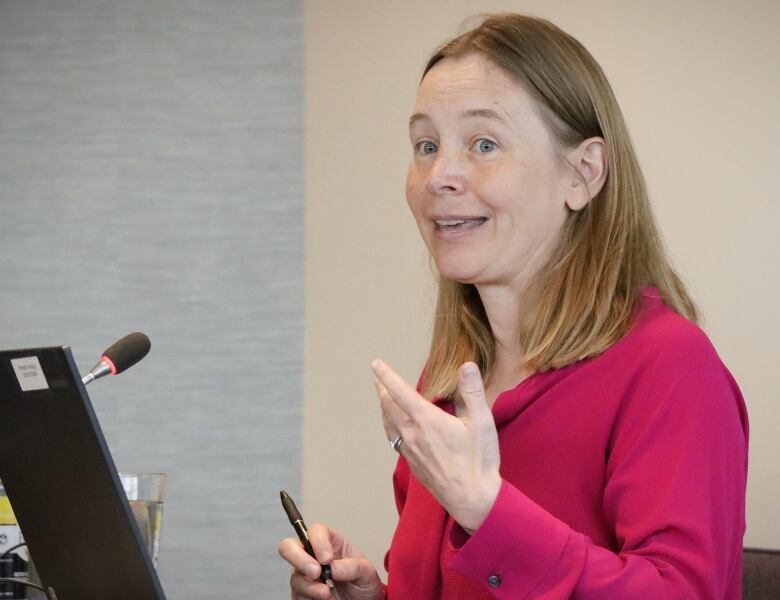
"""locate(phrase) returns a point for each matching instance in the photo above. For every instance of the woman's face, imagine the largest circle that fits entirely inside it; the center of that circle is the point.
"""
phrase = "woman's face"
(487, 185)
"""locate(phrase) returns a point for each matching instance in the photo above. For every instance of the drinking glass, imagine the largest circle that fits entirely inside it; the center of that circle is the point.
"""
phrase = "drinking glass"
(145, 493)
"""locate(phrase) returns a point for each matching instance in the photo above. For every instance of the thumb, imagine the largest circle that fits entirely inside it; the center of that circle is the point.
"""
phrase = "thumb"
(473, 403)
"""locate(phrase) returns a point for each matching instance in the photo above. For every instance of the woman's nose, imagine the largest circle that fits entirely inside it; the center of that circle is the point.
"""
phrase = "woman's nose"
(447, 174)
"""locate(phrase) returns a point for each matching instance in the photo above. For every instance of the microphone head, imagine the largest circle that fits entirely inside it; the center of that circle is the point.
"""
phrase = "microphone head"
(124, 353)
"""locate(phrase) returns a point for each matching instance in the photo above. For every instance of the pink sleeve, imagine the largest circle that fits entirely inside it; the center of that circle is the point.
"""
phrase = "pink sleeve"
(400, 488)
(674, 496)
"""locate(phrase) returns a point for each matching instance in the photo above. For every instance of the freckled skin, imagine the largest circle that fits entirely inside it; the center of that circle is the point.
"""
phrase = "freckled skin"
(515, 179)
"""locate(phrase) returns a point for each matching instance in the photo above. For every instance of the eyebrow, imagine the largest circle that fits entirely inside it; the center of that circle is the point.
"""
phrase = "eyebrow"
(484, 113)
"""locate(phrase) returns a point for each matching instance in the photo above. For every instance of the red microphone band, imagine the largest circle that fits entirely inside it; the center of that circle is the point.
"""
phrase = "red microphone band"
(111, 364)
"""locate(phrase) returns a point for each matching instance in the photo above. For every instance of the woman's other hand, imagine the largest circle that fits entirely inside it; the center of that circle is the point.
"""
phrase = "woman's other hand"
(455, 457)
(355, 576)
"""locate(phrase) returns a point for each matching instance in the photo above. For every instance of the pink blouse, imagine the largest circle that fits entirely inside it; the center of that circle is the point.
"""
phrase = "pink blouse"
(623, 478)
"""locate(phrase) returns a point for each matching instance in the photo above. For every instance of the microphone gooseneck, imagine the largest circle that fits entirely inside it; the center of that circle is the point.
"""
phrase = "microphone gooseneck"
(120, 356)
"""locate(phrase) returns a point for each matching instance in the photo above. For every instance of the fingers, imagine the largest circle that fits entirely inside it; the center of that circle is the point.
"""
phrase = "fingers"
(393, 418)
(304, 581)
(396, 394)
(347, 564)
(358, 570)
(292, 551)
(321, 540)
(303, 588)
(400, 392)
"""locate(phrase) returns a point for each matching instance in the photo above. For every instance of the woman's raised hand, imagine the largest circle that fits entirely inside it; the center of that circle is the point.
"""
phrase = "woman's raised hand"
(355, 576)
(455, 457)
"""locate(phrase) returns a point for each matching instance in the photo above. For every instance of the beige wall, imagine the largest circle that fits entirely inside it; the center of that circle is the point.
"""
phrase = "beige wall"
(699, 85)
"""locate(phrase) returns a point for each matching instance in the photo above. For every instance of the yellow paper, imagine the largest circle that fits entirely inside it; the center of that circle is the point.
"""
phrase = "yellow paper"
(6, 513)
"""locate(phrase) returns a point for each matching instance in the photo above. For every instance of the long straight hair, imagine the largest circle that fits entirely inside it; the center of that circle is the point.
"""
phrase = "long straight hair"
(584, 299)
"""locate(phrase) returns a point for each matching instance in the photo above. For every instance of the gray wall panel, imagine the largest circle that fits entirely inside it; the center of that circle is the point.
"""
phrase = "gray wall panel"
(151, 159)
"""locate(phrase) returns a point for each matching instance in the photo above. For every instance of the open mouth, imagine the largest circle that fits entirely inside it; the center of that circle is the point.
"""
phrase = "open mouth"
(458, 224)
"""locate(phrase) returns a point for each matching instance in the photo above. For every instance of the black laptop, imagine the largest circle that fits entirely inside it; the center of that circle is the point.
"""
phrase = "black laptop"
(63, 485)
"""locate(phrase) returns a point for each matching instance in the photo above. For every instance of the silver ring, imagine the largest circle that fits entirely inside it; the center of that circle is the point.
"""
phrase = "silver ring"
(395, 443)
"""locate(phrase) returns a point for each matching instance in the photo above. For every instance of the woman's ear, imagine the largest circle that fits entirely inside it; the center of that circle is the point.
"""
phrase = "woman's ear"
(589, 160)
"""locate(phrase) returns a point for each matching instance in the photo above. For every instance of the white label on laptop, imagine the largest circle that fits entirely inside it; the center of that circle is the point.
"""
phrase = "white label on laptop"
(29, 373)
(10, 536)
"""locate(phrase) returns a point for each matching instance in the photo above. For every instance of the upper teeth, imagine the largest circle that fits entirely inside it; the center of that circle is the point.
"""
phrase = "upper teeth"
(450, 223)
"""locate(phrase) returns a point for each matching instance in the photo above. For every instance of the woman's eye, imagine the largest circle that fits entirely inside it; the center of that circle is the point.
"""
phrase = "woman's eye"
(426, 147)
(484, 146)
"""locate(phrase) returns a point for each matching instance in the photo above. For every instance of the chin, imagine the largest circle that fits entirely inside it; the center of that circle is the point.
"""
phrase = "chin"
(460, 274)
(461, 265)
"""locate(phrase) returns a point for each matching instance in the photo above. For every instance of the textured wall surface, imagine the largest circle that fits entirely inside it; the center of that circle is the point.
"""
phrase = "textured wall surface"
(150, 178)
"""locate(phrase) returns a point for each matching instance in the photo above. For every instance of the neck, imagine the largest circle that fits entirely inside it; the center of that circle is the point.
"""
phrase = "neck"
(503, 306)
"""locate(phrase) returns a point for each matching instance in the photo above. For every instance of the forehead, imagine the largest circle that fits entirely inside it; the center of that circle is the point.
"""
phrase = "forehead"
(471, 82)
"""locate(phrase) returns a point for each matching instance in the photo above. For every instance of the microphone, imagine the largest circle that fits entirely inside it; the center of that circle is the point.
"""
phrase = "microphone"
(121, 355)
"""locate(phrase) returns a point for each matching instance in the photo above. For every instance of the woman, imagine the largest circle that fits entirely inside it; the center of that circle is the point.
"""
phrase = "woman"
(575, 435)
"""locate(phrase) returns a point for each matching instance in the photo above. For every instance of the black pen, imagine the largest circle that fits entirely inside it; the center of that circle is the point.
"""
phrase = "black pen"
(296, 520)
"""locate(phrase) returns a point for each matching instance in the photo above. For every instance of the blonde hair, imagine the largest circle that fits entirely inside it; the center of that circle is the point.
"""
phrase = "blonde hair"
(584, 300)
